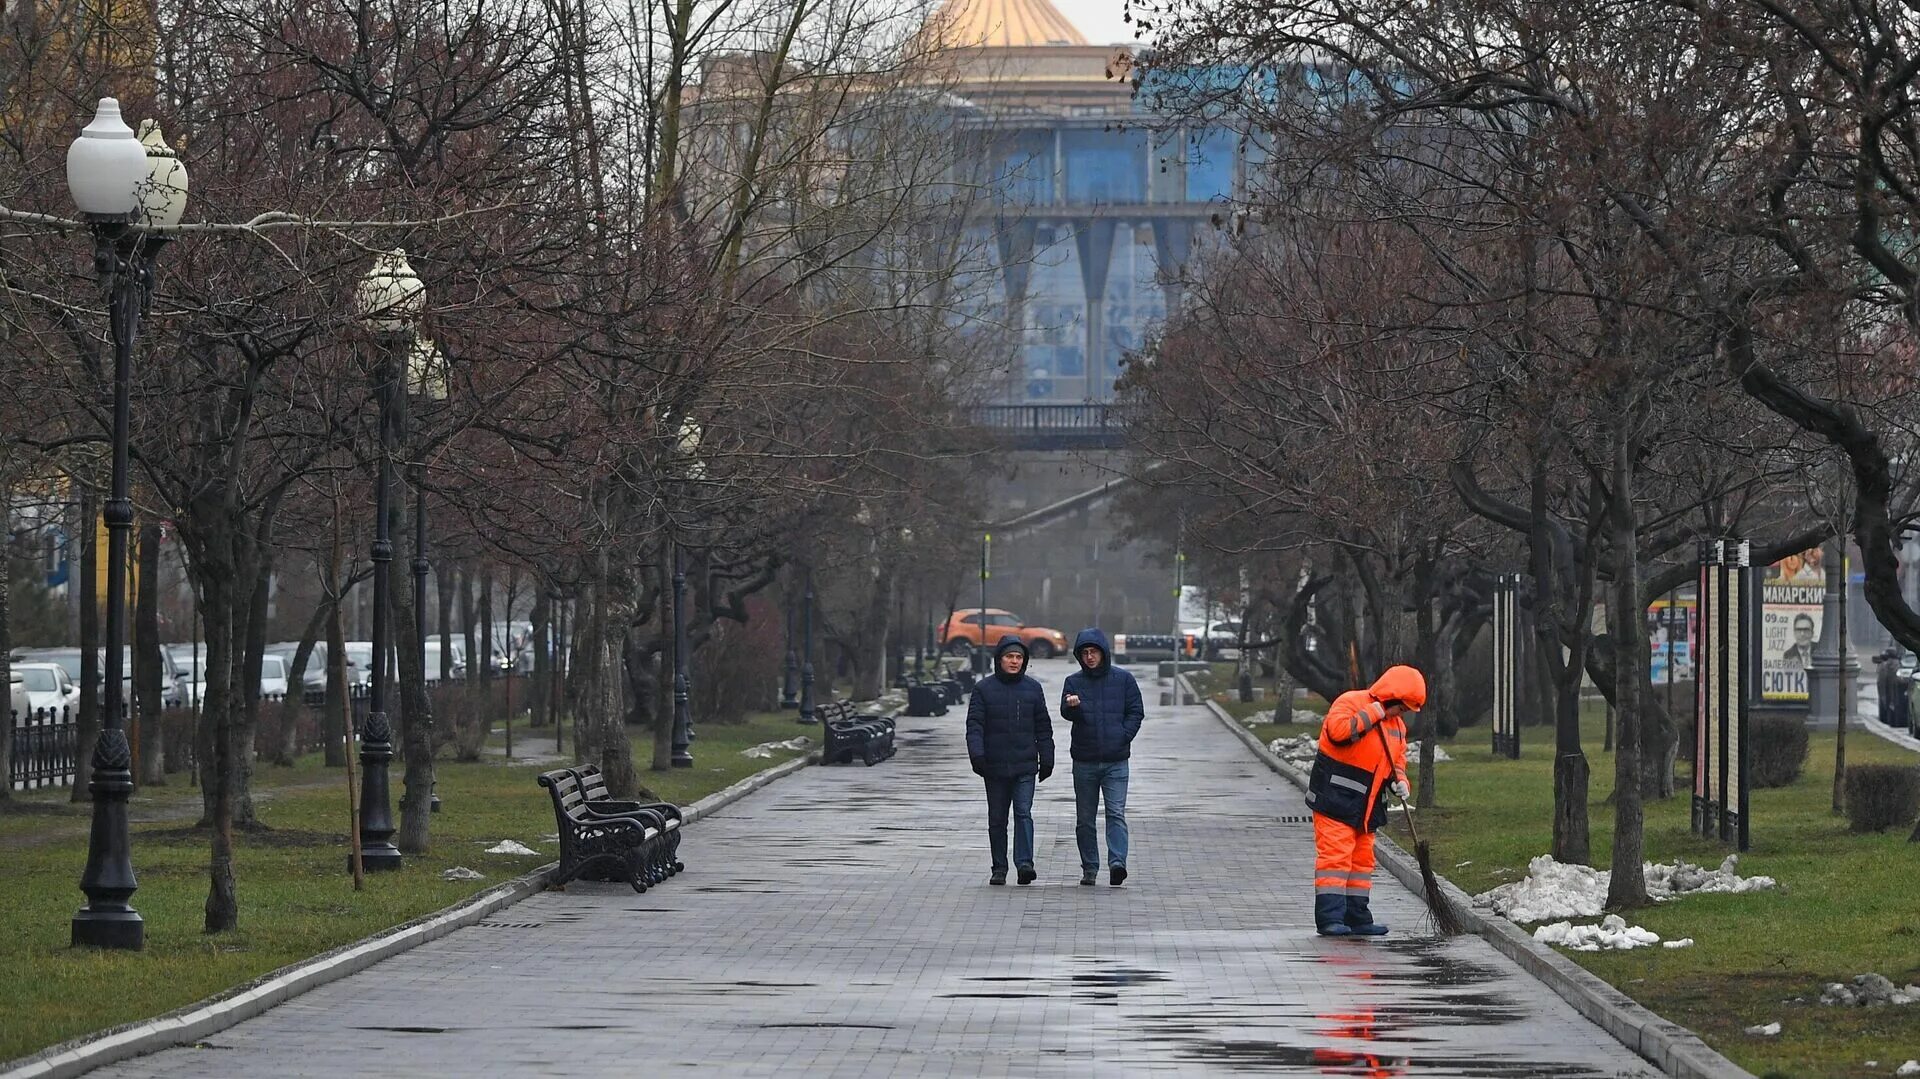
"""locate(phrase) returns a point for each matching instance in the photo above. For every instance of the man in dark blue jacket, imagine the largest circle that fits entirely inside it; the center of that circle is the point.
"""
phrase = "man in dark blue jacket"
(1010, 742)
(1103, 704)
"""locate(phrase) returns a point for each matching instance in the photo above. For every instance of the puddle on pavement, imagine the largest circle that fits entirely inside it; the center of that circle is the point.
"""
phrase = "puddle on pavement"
(835, 1026)
(414, 1030)
(1324, 1061)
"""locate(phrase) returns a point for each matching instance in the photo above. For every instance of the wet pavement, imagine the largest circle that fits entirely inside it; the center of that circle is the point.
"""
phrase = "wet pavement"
(840, 923)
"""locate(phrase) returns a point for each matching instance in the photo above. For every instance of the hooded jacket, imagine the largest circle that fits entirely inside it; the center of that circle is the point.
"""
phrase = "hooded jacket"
(1009, 732)
(1110, 709)
(1362, 750)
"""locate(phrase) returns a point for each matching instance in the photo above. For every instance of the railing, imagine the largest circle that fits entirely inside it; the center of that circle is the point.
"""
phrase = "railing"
(1051, 419)
(43, 749)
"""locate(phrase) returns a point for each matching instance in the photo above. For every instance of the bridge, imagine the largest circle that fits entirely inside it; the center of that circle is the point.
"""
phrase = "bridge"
(1095, 426)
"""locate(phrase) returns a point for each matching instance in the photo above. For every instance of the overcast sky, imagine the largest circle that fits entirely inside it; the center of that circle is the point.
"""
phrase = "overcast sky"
(1098, 19)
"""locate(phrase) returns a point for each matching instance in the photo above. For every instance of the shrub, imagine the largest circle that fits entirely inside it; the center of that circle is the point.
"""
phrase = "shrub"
(1880, 796)
(1779, 751)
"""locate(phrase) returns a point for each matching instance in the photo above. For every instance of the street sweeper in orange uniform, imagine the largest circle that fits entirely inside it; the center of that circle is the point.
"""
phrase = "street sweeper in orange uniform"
(1363, 756)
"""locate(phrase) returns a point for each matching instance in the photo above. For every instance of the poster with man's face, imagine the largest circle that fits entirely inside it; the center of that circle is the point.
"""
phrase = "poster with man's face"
(1791, 592)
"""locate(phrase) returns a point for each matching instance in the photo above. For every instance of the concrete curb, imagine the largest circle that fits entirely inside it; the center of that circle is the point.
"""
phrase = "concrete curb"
(1672, 1048)
(197, 1021)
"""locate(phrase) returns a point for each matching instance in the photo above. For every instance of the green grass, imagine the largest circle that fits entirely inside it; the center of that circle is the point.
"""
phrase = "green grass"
(296, 899)
(1849, 903)
(1220, 684)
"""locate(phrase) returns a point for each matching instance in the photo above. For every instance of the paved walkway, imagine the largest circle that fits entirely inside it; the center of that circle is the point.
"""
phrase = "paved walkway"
(839, 923)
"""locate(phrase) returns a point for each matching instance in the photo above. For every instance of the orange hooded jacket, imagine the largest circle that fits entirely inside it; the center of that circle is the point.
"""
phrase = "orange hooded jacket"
(1362, 749)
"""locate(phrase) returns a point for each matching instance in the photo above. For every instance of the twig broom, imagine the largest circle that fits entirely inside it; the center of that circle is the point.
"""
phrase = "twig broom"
(1447, 921)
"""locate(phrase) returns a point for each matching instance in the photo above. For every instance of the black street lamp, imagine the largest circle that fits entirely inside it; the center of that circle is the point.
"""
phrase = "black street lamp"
(692, 470)
(806, 653)
(131, 193)
(390, 297)
(426, 388)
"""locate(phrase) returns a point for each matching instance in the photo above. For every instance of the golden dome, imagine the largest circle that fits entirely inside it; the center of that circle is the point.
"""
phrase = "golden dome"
(1002, 23)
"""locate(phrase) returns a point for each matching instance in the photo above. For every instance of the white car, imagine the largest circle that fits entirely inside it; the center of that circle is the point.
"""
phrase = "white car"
(273, 676)
(48, 686)
(22, 706)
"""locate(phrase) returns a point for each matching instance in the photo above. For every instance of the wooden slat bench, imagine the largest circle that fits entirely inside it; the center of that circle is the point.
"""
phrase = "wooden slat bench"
(850, 734)
(634, 848)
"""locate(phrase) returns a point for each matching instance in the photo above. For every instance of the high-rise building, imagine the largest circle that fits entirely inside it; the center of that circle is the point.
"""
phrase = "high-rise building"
(1095, 199)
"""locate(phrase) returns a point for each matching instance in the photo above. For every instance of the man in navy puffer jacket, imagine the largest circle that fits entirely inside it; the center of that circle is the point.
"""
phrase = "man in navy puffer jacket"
(1009, 743)
(1103, 704)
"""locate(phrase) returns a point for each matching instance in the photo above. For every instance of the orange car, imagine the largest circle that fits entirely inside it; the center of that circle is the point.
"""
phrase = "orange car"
(962, 631)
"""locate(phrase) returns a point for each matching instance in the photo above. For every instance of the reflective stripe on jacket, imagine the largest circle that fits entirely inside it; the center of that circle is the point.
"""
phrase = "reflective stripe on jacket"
(1362, 749)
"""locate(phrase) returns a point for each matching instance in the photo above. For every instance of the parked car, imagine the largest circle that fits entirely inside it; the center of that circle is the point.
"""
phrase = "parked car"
(69, 659)
(433, 659)
(48, 686)
(273, 676)
(21, 704)
(964, 629)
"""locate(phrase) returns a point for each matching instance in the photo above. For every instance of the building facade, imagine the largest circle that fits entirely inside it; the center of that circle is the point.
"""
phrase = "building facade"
(1095, 198)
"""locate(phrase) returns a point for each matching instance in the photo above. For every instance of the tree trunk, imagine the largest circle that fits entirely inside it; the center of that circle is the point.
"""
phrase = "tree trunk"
(476, 657)
(1627, 621)
(444, 576)
(1844, 688)
(146, 658)
(251, 647)
(7, 717)
(87, 730)
(542, 659)
(489, 662)
(416, 708)
(1571, 840)
(288, 747)
(339, 708)
(611, 615)
(870, 660)
(220, 608)
(659, 670)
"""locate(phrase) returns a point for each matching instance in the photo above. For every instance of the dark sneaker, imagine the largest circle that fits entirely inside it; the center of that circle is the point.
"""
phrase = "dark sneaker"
(1335, 930)
(1027, 874)
(999, 877)
(1089, 876)
(1371, 929)
(1118, 875)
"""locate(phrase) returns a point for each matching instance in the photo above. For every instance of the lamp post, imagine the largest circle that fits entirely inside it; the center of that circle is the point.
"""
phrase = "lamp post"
(426, 387)
(131, 192)
(390, 297)
(806, 653)
(692, 470)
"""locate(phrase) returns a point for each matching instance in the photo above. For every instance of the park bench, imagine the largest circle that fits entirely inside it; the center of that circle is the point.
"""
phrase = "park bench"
(929, 696)
(850, 734)
(593, 787)
(635, 848)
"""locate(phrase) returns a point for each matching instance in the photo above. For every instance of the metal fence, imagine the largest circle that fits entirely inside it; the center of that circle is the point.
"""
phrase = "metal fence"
(43, 749)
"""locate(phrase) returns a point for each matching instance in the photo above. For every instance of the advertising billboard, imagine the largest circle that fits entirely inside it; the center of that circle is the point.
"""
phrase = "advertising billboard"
(1791, 591)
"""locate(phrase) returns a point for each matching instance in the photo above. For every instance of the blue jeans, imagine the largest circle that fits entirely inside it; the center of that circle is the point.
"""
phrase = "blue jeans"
(1093, 781)
(1015, 793)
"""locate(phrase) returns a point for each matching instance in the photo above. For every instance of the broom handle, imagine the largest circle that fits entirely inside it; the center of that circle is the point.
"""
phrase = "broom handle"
(1405, 809)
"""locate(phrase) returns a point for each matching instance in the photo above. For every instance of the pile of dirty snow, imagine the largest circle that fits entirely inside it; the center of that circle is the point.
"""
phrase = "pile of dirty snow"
(1613, 933)
(1868, 991)
(1552, 891)
(1439, 753)
(765, 749)
(1299, 749)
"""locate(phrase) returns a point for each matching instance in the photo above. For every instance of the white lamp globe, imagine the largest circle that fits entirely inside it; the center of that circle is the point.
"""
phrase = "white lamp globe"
(163, 195)
(106, 165)
(391, 295)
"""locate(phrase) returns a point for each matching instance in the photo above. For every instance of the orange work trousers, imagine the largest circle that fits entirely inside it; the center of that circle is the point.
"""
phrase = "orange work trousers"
(1342, 859)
